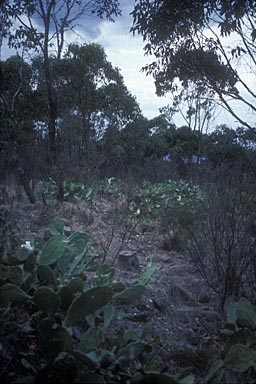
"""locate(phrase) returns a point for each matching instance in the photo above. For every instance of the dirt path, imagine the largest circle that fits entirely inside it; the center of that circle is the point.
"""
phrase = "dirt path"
(178, 305)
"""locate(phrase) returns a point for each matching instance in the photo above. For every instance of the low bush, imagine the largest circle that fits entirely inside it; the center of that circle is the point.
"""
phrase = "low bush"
(58, 303)
(222, 247)
(177, 204)
(238, 360)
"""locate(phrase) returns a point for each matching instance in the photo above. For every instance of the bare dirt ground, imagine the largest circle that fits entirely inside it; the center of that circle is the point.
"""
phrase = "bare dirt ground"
(177, 303)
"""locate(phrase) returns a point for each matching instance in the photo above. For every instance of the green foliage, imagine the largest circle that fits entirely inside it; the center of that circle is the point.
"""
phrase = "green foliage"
(159, 378)
(46, 300)
(87, 303)
(175, 203)
(148, 275)
(73, 191)
(245, 314)
(12, 293)
(228, 146)
(239, 358)
(78, 192)
(53, 250)
(240, 353)
(187, 58)
(50, 300)
(129, 295)
(7, 225)
(112, 187)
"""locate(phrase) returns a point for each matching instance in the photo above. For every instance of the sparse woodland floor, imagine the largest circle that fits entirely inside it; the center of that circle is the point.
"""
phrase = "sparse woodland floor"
(177, 302)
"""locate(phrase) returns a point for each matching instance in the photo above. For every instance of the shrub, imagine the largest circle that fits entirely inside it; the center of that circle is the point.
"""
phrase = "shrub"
(176, 203)
(58, 303)
(238, 361)
(221, 247)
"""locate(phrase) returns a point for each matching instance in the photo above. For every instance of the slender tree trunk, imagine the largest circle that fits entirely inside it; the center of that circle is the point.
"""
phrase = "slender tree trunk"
(86, 130)
(52, 131)
(52, 114)
(60, 194)
(52, 102)
(29, 192)
(26, 185)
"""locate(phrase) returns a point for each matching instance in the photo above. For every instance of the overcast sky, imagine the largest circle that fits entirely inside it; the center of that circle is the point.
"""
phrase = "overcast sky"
(125, 51)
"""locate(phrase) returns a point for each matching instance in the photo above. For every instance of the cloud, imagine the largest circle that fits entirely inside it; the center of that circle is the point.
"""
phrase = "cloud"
(125, 51)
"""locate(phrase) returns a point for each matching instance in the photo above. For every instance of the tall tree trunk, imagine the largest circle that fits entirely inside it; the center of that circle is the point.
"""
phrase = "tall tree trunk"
(52, 117)
(52, 102)
(25, 182)
(28, 190)
(86, 134)
(60, 194)
(52, 113)
(52, 128)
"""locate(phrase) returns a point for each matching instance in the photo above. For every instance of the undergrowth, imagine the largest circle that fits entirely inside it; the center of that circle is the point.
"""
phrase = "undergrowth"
(60, 302)
(58, 306)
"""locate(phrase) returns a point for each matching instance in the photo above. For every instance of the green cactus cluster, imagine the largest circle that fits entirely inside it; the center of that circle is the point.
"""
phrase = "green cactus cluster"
(239, 356)
(62, 302)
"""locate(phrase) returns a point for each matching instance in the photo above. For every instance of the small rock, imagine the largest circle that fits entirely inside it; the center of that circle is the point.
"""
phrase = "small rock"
(160, 304)
(204, 299)
(171, 243)
(138, 316)
(128, 260)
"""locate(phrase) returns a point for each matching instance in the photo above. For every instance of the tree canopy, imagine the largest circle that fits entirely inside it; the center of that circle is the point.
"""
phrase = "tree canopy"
(41, 26)
(66, 111)
(203, 44)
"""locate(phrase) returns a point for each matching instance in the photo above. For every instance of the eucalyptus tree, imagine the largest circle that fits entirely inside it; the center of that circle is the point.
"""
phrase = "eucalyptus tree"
(15, 100)
(41, 26)
(206, 46)
(93, 102)
(18, 113)
(97, 90)
(227, 147)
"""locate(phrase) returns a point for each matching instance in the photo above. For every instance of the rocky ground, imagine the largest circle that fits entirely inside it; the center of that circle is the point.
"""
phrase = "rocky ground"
(177, 303)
